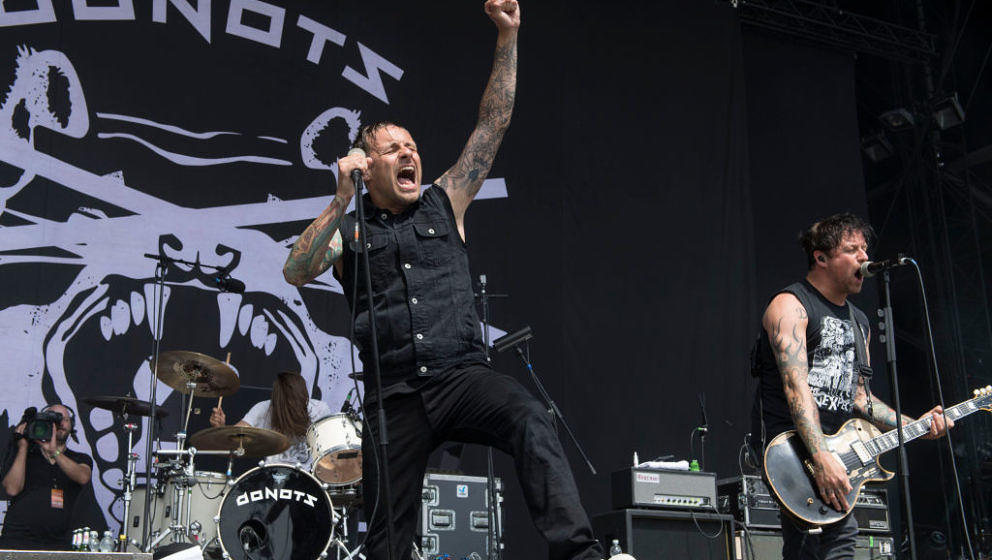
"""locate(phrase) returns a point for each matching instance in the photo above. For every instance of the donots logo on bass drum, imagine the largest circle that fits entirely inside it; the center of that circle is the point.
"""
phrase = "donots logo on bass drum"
(276, 494)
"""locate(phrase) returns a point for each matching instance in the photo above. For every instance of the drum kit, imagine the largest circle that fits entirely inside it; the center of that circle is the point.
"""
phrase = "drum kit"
(273, 511)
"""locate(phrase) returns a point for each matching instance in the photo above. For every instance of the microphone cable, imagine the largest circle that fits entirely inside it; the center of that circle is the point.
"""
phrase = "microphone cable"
(940, 398)
(359, 395)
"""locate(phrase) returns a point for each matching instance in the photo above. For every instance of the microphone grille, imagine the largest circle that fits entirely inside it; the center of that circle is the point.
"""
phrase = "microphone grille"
(356, 150)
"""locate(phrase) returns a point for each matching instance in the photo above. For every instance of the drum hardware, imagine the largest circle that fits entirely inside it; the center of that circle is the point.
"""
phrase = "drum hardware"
(123, 407)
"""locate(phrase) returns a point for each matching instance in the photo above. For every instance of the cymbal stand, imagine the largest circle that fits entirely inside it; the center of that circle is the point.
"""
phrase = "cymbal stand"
(127, 484)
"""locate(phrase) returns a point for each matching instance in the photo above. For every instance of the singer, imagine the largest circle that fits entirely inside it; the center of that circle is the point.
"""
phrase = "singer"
(811, 378)
(437, 385)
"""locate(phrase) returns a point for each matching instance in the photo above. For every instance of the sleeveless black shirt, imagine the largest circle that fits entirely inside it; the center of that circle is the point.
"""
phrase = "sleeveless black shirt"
(832, 357)
(422, 290)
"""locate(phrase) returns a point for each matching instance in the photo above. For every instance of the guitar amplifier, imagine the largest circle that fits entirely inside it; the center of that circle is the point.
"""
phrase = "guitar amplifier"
(748, 499)
(654, 488)
(872, 510)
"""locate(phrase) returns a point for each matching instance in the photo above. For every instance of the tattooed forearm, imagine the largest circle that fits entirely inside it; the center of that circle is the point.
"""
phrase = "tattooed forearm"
(788, 340)
(495, 110)
(317, 247)
(882, 415)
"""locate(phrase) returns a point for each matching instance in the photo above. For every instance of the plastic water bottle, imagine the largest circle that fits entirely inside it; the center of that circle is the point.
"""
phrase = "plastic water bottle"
(615, 548)
(107, 542)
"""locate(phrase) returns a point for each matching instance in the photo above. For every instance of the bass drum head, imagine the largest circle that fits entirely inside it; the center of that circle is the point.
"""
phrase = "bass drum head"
(275, 512)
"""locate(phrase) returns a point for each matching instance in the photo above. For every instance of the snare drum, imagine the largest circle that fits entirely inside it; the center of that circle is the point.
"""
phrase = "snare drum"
(202, 493)
(275, 512)
(335, 444)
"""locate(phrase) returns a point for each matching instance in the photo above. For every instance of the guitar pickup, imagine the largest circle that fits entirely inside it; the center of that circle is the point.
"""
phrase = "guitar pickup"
(862, 452)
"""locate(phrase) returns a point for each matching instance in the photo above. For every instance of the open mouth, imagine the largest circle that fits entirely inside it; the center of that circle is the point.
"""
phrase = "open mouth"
(407, 177)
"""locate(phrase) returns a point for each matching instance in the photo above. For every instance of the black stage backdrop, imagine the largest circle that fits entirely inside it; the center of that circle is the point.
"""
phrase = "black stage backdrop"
(643, 206)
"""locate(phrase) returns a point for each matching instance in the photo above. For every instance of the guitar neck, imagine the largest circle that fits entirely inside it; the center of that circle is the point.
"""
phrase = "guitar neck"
(890, 440)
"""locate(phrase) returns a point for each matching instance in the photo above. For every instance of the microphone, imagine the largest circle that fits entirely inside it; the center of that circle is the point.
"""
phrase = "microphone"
(346, 406)
(508, 341)
(356, 174)
(702, 407)
(227, 284)
(871, 268)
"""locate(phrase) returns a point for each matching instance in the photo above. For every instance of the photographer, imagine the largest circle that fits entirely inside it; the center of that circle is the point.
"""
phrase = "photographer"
(44, 480)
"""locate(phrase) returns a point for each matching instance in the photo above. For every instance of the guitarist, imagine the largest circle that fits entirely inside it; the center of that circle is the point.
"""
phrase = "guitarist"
(811, 379)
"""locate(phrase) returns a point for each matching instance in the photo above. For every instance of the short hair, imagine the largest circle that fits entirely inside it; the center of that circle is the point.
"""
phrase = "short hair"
(827, 234)
(365, 138)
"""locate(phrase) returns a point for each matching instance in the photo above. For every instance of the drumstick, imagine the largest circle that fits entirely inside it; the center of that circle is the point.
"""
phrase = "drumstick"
(220, 399)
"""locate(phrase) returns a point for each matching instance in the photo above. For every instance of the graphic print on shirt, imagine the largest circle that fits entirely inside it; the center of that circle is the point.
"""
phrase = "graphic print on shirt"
(831, 373)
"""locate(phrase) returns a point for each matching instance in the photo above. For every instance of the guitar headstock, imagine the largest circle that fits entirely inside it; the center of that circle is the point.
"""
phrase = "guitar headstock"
(983, 398)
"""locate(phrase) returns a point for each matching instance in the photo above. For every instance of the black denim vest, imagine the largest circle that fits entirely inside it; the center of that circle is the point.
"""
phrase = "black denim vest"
(422, 289)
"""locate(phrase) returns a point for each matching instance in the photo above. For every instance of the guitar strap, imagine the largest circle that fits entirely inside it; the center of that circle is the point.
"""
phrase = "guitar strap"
(861, 364)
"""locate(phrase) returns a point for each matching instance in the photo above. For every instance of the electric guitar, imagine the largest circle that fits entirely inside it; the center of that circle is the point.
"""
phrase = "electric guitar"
(857, 445)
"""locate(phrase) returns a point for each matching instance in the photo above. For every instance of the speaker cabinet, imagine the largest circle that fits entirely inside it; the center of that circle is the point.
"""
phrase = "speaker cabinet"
(756, 545)
(767, 545)
(659, 534)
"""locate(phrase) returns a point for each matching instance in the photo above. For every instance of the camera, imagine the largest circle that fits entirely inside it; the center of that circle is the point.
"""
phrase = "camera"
(39, 424)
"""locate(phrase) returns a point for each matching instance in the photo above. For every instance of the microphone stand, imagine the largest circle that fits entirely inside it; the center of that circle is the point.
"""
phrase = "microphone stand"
(161, 270)
(495, 526)
(552, 407)
(889, 339)
(383, 469)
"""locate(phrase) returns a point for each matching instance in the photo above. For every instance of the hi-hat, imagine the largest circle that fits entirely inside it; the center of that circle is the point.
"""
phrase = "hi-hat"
(257, 442)
(212, 377)
(125, 405)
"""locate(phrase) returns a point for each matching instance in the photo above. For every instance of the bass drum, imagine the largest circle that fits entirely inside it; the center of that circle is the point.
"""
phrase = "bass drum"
(275, 512)
(203, 495)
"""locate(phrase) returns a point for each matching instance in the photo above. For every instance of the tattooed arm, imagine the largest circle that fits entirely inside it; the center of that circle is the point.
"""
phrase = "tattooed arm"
(884, 416)
(785, 321)
(319, 246)
(463, 180)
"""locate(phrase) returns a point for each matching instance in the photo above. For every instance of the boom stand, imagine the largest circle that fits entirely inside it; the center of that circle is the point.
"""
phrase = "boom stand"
(552, 407)
(890, 356)
(160, 272)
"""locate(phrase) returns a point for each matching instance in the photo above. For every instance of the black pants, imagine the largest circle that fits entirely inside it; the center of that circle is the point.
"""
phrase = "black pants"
(474, 404)
(836, 542)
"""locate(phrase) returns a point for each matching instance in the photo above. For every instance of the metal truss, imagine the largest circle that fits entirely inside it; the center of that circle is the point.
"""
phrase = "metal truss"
(827, 23)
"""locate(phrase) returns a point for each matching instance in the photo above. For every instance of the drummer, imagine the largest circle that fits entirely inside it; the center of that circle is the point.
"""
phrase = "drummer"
(290, 412)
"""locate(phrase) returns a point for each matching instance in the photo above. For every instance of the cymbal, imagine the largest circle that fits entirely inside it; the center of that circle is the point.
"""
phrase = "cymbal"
(257, 442)
(213, 377)
(125, 405)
